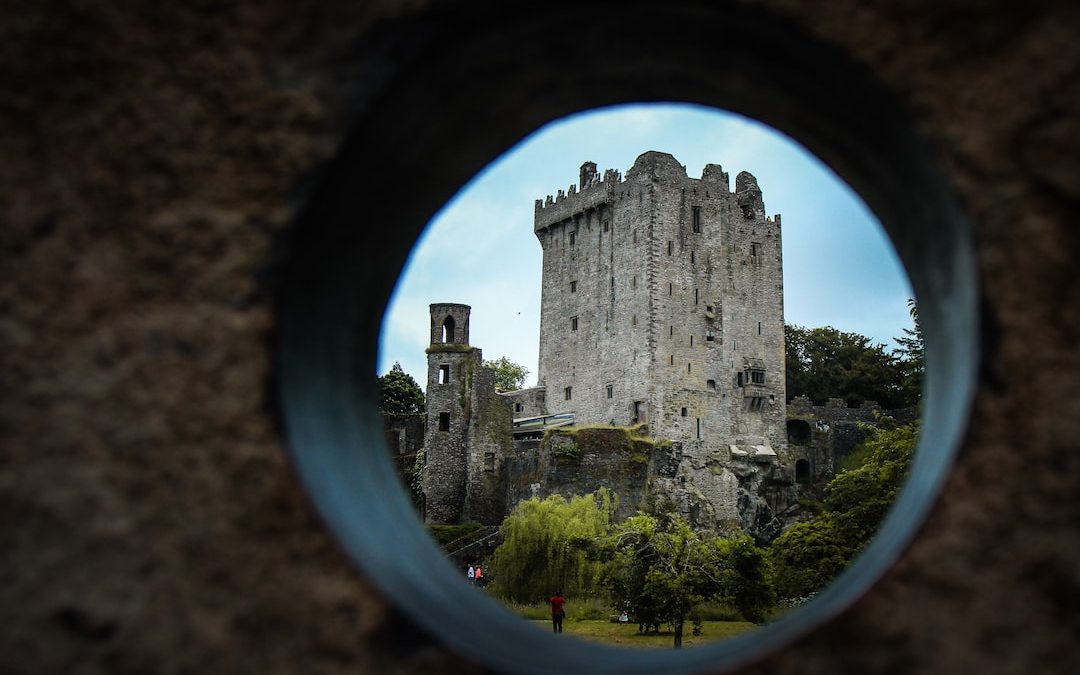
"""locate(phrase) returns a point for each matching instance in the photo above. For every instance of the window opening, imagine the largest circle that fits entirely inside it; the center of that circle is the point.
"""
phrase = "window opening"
(710, 336)
(573, 323)
(444, 421)
(691, 340)
(695, 296)
(573, 287)
(444, 374)
(633, 320)
(573, 237)
(802, 471)
(698, 420)
(759, 328)
(519, 407)
(688, 367)
(695, 215)
(567, 393)
(489, 461)
(448, 330)
(711, 385)
(671, 360)
(610, 390)
(684, 412)
(669, 246)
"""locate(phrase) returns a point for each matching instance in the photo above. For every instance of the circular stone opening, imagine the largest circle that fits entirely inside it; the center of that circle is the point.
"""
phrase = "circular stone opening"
(400, 167)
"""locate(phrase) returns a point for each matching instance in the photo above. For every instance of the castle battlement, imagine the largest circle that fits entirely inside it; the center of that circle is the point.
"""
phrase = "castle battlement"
(591, 193)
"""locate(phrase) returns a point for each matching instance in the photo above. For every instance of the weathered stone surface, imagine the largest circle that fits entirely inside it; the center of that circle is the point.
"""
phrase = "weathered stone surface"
(151, 153)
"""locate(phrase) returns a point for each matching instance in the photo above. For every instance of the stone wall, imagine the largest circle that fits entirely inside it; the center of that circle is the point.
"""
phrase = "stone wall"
(152, 154)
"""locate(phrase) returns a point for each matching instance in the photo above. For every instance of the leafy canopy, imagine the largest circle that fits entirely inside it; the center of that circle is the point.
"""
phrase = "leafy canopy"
(548, 546)
(810, 554)
(509, 376)
(399, 394)
(661, 570)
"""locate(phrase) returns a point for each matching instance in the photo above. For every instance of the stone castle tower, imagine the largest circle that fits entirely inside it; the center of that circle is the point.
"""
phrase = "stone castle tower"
(662, 302)
(467, 434)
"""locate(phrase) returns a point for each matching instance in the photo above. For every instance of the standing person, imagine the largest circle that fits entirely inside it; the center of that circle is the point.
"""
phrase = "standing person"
(479, 577)
(472, 575)
(557, 612)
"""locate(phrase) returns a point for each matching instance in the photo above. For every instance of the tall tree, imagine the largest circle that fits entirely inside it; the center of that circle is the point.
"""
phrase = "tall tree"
(509, 376)
(823, 363)
(548, 546)
(399, 394)
(661, 569)
(912, 354)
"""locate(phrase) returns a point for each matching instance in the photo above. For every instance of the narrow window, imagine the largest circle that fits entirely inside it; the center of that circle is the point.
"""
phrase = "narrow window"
(739, 379)
(691, 257)
(444, 421)
(573, 323)
(444, 374)
(635, 236)
(671, 360)
(669, 246)
(607, 226)
(691, 340)
(519, 407)
(489, 461)
(695, 213)
(710, 336)
(755, 249)
(610, 390)
(573, 287)
(671, 330)
(684, 412)
(698, 419)
(633, 320)
(695, 296)
(613, 286)
(759, 328)
(633, 281)
(711, 384)
(670, 289)
(567, 393)
(573, 237)
(688, 367)
(757, 376)
(448, 330)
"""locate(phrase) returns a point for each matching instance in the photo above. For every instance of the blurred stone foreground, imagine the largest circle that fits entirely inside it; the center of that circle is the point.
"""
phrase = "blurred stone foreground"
(151, 157)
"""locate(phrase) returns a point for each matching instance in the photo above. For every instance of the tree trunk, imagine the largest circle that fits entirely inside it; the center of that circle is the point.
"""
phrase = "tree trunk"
(678, 634)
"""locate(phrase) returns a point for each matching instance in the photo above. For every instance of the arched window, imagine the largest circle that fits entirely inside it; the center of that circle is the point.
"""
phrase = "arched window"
(448, 330)
(802, 471)
(798, 432)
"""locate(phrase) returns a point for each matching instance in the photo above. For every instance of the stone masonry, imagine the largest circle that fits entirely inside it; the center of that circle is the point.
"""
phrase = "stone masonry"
(662, 304)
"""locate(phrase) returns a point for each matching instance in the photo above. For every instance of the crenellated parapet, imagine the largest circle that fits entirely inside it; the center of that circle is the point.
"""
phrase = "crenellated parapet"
(591, 192)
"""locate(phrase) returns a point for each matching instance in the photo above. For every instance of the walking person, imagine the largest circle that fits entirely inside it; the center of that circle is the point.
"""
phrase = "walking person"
(557, 612)
(472, 576)
(479, 576)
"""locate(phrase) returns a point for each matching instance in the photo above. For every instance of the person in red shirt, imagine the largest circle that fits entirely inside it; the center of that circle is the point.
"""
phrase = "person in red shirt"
(557, 613)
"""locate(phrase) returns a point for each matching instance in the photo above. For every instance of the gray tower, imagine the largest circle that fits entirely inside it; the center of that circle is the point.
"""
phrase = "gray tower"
(467, 437)
(662, 303)
(449, 360)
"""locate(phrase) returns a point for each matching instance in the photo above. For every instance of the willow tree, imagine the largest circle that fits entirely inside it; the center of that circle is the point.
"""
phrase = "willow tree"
(548, 546)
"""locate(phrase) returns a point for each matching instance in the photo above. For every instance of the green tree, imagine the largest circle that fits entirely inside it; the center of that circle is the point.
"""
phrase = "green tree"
(659, 571)
(810, 554)
(509, 376)
(399, 394)
(823, 363)
(549, 545)
(911, 354)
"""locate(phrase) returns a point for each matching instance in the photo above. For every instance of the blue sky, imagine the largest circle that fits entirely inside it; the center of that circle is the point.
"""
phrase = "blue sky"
(839, 268)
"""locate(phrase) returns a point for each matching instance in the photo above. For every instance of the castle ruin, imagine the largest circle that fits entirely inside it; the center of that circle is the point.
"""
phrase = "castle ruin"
(662, 306)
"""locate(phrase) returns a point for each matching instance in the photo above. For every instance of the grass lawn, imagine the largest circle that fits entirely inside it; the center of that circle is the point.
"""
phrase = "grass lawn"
(627, 635)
